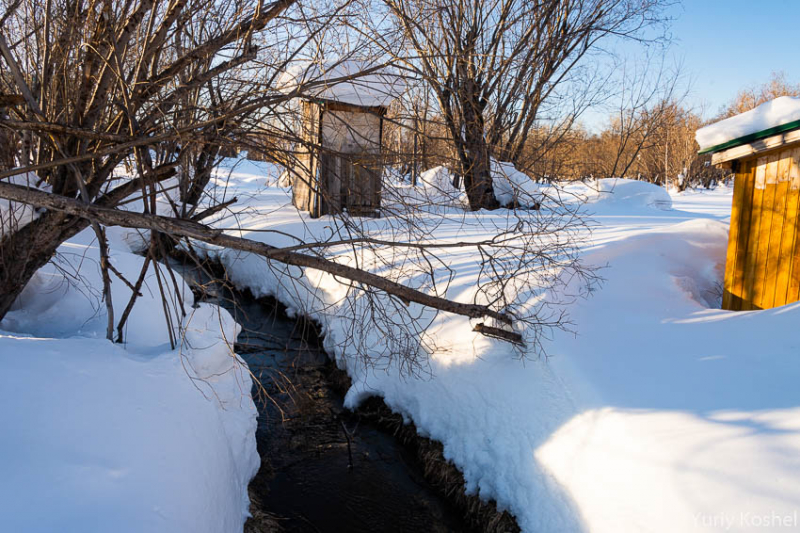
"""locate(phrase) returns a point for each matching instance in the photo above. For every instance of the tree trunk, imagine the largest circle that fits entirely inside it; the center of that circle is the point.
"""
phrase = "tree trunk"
(474, 148)
(28, 249)
(477, 167)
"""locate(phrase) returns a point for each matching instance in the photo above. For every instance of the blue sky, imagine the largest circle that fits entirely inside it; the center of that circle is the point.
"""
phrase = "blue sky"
(722, 47)
(726, 45)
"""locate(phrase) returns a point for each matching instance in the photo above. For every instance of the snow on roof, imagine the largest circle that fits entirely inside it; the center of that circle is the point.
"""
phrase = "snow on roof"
(378, 88)
(774, 113)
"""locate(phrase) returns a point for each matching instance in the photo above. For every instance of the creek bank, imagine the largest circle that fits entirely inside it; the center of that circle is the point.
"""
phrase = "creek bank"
(324, 467)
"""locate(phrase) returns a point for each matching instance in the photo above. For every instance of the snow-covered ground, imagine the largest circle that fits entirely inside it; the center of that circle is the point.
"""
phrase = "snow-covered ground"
(664, 413)
(132, 437)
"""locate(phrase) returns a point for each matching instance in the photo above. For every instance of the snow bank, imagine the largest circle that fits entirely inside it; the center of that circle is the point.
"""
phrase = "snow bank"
(438, 186)
(512, 187)
(108, 437)
(64, 298)
(768, 115)
(434, 193)
(619, 194)
(342, 81)
(688, 418)
(246, 171)
(435, 189)
(664, 414)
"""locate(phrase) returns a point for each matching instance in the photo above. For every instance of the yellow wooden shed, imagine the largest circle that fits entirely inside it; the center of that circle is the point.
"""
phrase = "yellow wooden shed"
(762, 267)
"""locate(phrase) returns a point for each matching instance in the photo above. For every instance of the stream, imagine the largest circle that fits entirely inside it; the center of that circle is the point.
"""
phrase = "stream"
(323, 468)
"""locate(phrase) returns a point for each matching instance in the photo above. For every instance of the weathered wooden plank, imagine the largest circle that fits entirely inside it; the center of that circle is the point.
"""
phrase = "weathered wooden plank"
(772, 168)
(761, 173)
(333, 105)
(305, 168)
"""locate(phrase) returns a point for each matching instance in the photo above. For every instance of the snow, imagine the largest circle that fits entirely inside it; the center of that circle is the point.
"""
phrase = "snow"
(777, 112)
(620, 194)
(434, 193)
(685, 412)
(14, 215)
(342, 81)
(514, 187)
(436, 189)
(100, 436)
(664, 413)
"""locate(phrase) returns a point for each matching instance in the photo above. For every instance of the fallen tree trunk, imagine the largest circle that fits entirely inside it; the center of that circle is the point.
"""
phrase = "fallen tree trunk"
(194, 230)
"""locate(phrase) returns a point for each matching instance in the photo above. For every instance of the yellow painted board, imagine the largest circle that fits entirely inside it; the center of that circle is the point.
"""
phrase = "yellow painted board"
(730, 297)
(744, 208)
(753, 228)
(763, 256)
(777, 216)
(788, 245)
(793, 259)
(792, 242)
(760, 280)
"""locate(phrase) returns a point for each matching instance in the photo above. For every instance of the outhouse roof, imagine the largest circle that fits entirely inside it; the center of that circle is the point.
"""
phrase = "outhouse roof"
(343, 81)
(771, 118)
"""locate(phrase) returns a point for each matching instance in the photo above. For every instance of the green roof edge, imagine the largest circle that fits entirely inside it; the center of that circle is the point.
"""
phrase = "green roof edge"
(769, 132)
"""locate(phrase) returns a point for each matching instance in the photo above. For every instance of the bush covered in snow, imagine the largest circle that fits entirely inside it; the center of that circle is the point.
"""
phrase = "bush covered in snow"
(437, 188)
(439, 182)
(513, 188)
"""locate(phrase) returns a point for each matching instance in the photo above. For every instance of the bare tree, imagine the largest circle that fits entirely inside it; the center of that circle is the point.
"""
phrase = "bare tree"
(140, 116)
(647, 106)
(751, 97)
(104, 83)
(492, 64)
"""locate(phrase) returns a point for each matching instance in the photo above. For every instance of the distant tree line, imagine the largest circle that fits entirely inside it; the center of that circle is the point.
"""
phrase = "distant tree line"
(651, 140)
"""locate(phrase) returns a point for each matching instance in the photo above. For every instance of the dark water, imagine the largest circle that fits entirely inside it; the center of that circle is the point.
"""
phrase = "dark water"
(310, 479)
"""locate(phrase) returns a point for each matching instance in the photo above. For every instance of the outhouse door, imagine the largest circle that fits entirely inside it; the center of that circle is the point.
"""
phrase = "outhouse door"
(352, 185)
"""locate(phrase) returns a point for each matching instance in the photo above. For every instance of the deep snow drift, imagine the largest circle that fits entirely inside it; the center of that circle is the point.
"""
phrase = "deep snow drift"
(662, 414)
(107, 437)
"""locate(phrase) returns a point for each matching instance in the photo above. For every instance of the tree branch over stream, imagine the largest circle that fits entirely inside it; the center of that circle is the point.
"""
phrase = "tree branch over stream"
(194, 230)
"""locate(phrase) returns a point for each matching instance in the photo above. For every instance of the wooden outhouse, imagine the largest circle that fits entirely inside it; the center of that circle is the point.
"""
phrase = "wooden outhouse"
(339, 161)
(762, 267)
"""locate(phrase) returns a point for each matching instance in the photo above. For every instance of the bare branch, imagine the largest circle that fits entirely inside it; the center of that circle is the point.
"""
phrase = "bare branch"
(200, 232)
